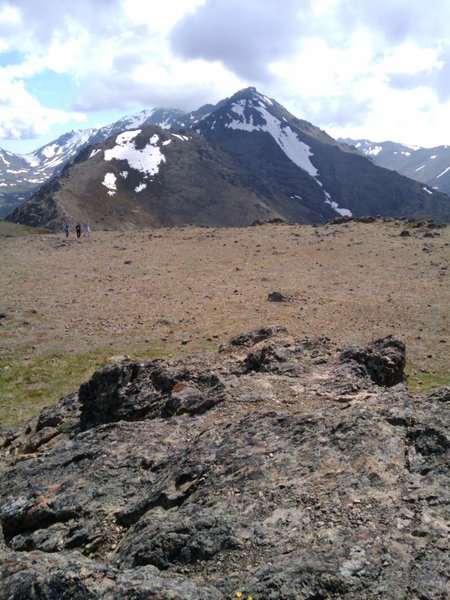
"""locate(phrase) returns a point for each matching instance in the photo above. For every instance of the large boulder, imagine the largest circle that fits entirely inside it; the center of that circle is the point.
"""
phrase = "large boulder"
(280, 468)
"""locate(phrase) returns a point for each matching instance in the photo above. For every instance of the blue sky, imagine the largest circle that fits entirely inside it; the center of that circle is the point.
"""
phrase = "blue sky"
(356, 68)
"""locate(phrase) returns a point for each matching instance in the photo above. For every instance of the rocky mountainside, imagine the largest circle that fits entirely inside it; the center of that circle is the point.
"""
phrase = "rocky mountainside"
(279, 469)
(148, 177)
(22, 175)
(428, 165)
(297, 170)
(309, 166)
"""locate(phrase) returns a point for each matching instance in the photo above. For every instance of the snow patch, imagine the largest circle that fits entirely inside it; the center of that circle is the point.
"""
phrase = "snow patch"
(166, 143)
(126, 136)
(373, 151)
(422, 167)
(183, 138)
(427, 190)
(146, 160)
(110, 182)
(443, 172)
(287, 139)
(345, 212)
(124, 174)
(51, 150)
(140, 187)
(405, 153)
(434, 156)
(94, 152)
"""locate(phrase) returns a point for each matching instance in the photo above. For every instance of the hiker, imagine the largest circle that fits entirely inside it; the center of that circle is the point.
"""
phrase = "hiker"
(78, 230)
(87, 228)
(66, 229)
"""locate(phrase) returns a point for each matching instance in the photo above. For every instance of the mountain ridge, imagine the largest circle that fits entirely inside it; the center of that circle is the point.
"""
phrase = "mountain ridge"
(430, 166)
(284, 166)
(48, 161)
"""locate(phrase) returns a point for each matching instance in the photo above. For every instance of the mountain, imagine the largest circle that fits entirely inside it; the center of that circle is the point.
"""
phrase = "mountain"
(247, 145)
(261, 134)
(427, 165)
(147, 177)
(22, 175)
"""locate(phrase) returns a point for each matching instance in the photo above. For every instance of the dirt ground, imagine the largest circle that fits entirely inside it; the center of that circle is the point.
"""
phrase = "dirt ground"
(187, 289)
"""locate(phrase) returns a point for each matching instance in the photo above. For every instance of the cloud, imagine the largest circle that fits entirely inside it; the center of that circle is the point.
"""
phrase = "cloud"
(398, 20)
(244, 36)
(334, 62)
(437, 79)
(33, 122)
(114, 50)
(342, 111)
(22, 116)
(170, 85)
(38, 21)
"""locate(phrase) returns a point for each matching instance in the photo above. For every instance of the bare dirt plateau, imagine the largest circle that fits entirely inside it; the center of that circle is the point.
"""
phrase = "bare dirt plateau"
(168, 291)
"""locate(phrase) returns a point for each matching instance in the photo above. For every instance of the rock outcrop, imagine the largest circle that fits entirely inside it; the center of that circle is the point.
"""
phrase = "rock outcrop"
(279, 469)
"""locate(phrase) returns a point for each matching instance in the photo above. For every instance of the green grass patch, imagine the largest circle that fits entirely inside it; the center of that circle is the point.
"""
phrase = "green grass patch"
(423, 382)
(29, 384)
(8, 229)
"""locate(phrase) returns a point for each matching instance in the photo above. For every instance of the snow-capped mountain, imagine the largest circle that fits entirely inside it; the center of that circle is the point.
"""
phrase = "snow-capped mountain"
(252, 112)
(147, 177)
(428, 165)
(275, 163)
(293, 158)
(22, 175)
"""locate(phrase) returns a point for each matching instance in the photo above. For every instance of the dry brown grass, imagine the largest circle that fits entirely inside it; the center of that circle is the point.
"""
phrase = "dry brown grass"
(176, 290)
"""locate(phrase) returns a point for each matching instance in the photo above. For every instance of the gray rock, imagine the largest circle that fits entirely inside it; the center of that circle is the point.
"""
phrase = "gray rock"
(384, 360)
(278, 297)
(278, 468)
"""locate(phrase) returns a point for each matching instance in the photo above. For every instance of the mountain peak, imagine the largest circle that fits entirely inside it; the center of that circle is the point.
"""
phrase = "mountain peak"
(251, 93)
(264, 154)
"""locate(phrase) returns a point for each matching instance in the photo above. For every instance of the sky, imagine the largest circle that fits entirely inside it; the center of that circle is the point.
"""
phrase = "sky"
(378, 70)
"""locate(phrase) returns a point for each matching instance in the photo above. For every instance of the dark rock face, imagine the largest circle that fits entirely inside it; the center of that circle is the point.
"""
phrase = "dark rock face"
(279, 468)
(384, 360)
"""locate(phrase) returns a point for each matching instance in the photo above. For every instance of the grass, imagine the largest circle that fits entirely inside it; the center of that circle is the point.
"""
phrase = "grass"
(184, 293)
(8, 229)
(27, 384)
(423, 382)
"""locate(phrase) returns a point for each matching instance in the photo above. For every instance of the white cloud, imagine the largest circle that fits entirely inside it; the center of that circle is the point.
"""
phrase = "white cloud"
(244, 36)
(21, 116)
(158, 16)
(409, 57)
(337, 63)
(402, 117)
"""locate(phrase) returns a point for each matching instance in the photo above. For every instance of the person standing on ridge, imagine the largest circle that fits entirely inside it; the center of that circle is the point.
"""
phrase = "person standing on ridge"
(66, 229)
(78, 230)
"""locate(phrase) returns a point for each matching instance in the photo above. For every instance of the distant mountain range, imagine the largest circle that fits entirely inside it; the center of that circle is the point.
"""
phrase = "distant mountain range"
(428, 165)
(244, 159)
